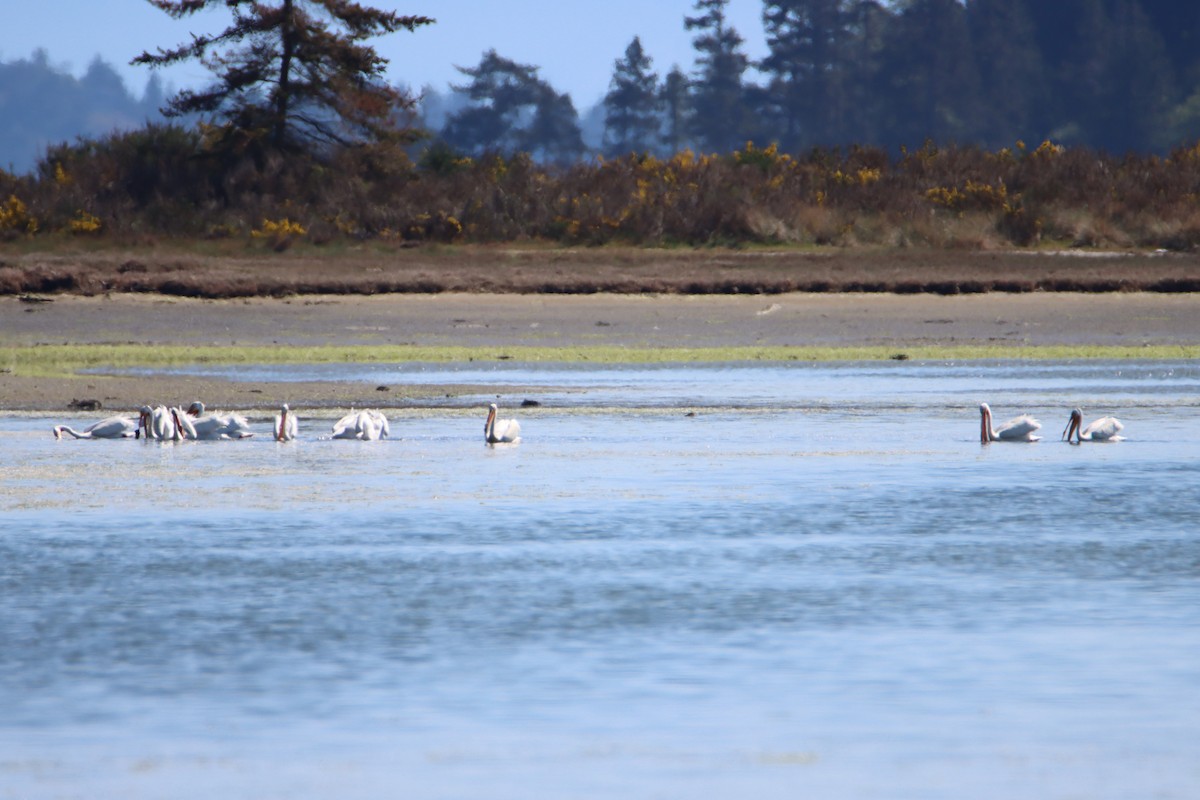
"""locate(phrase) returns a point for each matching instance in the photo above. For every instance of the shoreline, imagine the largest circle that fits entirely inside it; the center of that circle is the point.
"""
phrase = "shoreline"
(490, 323)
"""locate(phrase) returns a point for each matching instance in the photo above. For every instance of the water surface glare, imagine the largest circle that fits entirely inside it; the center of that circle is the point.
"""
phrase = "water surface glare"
(818, 585)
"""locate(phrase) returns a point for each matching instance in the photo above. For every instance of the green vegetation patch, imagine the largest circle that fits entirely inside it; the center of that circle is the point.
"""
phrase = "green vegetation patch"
(49, 360)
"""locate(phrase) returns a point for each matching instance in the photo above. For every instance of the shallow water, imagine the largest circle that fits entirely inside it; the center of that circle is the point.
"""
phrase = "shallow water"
(819, 585)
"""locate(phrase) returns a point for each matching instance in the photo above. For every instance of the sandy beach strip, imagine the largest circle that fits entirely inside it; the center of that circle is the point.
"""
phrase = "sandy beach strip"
(491, 321)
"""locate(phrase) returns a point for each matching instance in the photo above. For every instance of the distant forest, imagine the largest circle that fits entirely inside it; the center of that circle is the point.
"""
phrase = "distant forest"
(1114, 75)
(41, 104)
(989, 123)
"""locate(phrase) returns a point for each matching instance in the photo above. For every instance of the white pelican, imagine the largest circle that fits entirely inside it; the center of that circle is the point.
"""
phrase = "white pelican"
(157, 423)
(1017, 429)
(285, 425)
(366, 426)
(184, 429)
(346, 427)
(111, 428)
(1104, 429)
(217, 426)
(500, 431)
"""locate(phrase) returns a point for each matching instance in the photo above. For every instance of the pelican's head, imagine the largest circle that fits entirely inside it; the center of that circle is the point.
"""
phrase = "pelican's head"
(985, 423)
(196, 409)
(1074, 425)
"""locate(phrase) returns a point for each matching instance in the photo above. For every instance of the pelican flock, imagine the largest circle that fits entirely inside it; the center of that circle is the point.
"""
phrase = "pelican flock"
(1017, 429)
(1105, 429)
(160, 423)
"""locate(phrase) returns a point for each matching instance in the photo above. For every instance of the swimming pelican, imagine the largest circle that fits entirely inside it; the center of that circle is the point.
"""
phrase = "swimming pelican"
(1017, 429)
(111, 428)
(1104, 429)
(285, 425)
(346, 427)
(366, 426)
(157, 423)
(500, 431)
(217, 426)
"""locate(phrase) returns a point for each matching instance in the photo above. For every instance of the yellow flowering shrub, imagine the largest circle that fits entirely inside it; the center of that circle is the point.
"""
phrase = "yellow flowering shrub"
(85, 224)
(973, 195)
(284, 228)
(1048, 149)
(15, 217)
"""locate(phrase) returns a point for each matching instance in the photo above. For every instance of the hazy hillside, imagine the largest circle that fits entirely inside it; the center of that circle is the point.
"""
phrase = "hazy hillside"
(41, 105)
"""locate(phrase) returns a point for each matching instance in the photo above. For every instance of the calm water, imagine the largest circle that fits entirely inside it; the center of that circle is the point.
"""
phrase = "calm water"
(819, 585)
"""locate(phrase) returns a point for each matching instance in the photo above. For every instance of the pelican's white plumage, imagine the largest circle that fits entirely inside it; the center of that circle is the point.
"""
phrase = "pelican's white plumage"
(368, 425)
(110, 428)
(1105, 429)
(183, 426)
(217, 426)
(346, 427)
(500, 431)
(157, 423)
(286, 425)
(1017, 429)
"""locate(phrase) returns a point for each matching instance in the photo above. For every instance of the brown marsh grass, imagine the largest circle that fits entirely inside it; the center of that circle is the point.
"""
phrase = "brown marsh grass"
(231, 270)
(162, 210)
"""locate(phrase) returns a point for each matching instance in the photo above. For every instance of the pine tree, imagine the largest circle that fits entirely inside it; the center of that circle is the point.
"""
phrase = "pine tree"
(674, 99)
(868, 23)
(1011, 73)
(632, 106)
(931, 79)
(719, 114)
(510, 109)
(1136, 91)
(500, 92)
(296, 71)
(808, 64)
(554, 134)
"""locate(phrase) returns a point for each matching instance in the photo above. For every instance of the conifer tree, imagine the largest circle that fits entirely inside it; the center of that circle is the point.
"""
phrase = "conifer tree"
(554, 134)
(500, 93)
(718, 99)
(931, 82)
(1012, 75)
(632, 106)
(808, 64)
(868, 22)
(510, 109)
(1135, 93)
(674, 98)
(295, 71)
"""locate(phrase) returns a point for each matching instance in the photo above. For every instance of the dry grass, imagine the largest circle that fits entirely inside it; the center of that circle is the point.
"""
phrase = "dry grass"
(170, 184)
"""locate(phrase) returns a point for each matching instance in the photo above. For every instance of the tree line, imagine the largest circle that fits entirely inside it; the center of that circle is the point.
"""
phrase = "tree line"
(1117, 75)
(42, 104)
(298, 136)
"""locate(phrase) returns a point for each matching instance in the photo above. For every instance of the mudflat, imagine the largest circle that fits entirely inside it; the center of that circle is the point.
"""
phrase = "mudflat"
(493, 322)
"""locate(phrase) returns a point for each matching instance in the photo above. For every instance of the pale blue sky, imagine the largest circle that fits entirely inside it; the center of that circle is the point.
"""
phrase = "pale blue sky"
(574, 43)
